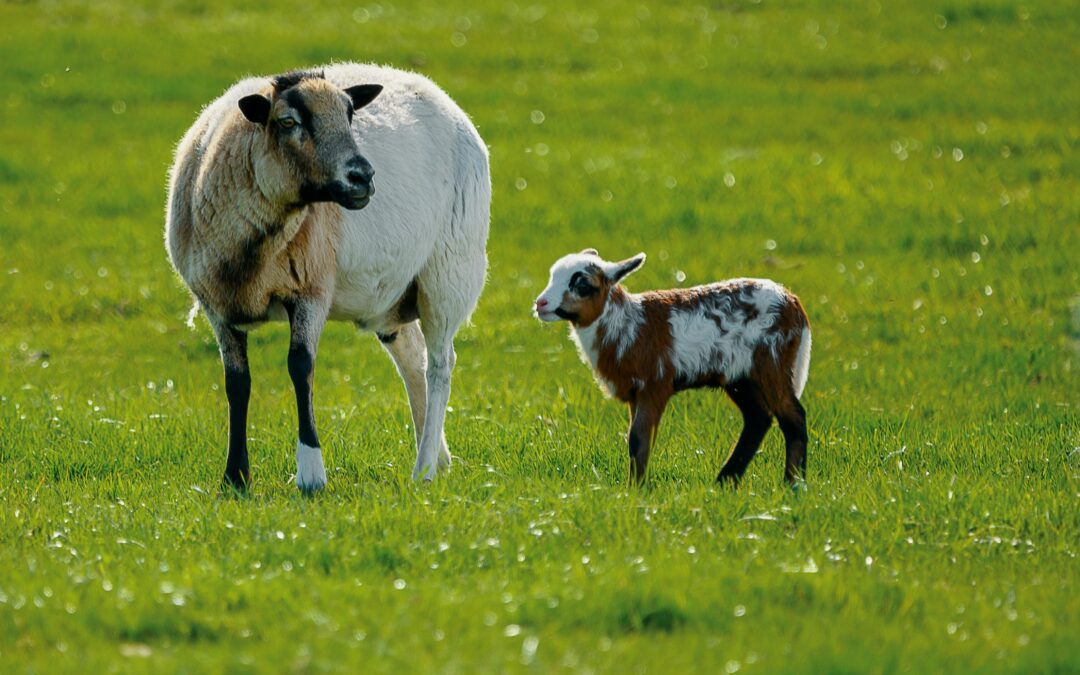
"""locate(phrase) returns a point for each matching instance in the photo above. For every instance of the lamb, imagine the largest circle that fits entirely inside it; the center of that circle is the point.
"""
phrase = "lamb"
(266, 220)
(750, 337)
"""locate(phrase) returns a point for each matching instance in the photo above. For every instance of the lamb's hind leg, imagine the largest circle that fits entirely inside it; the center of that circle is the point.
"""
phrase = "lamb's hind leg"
(756, 423)
(792, 420)
(307, 316)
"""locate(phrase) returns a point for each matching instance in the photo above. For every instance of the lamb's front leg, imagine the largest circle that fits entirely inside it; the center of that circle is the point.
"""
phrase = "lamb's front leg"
(307, 316)
(647, 410)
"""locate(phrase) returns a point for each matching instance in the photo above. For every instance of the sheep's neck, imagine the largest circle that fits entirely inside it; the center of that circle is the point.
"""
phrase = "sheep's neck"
(246, 212)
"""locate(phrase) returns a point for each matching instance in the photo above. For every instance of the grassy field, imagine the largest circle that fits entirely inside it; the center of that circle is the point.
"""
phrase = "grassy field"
(910, 169)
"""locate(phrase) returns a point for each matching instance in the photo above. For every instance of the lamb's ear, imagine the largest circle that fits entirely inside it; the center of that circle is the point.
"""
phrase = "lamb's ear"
(621, 270)
(256, 108)
(590, 251)
(362, 94)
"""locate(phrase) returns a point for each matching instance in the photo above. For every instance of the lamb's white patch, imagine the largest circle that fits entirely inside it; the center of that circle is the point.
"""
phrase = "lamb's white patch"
(310, 471)
(717, 335)
(586, 341)
(622, 321)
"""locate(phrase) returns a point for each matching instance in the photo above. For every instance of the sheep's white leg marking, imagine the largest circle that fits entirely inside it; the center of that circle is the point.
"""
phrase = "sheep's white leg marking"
(310, 470)
(407, 350)
(307, 316)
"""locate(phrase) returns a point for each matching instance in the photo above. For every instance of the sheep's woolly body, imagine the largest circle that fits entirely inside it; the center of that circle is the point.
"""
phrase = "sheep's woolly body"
(253, 246)
(429, 220)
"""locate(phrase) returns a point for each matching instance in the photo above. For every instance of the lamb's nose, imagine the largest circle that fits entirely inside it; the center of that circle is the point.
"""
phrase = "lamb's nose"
(541, 303)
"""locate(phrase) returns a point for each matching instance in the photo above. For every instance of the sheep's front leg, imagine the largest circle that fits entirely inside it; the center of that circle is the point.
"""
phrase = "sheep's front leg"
(646, 411)
(233, 346)
(307, 316)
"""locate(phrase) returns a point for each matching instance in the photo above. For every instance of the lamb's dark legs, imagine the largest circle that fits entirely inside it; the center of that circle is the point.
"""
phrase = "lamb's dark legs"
(306, 321)
(756, 423)
(793, 423)
(233, 346)
(646, 412)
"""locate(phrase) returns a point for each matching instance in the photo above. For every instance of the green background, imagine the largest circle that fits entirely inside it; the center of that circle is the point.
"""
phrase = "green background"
(908, 168)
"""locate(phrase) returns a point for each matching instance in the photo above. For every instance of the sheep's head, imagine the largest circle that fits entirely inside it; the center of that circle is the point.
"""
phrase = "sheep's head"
(580, 285)
(309, 153)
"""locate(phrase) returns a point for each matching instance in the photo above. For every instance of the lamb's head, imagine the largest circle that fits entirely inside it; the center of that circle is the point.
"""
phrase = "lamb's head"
(307, 151)
(580, 286)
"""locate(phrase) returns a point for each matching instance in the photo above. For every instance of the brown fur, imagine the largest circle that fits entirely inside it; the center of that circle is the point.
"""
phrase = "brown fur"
(645, 378)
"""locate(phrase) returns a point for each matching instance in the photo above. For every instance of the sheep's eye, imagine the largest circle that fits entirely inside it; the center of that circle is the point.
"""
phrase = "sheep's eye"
(286, 122)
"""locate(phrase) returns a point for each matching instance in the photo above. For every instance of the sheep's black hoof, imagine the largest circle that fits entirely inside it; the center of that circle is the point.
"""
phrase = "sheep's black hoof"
(728, 481)
(235, 481)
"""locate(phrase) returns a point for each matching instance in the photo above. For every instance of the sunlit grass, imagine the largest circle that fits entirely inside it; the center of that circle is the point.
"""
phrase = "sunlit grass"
(910, 169)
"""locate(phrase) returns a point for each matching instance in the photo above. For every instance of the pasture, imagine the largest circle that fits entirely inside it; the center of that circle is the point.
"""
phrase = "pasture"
(909, 169)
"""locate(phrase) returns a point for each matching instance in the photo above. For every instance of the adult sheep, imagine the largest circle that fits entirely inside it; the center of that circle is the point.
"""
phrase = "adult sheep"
(268, 218)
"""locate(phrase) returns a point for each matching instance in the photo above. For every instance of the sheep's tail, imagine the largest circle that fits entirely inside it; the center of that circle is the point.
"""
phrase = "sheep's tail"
(801, 371)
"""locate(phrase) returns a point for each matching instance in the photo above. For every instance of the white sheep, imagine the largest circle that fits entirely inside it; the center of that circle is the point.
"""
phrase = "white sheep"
(750, 337)
(264, 223)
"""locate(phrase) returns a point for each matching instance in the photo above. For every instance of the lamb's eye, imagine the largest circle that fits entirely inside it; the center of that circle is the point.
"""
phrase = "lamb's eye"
(286, 122)
(582, 287)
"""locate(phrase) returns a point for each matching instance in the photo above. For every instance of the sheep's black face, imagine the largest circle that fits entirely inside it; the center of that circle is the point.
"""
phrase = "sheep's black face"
(313, 155)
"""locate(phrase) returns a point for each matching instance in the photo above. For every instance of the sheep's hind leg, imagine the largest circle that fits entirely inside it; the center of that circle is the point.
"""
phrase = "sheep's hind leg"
(307, 316)
(756, 423)
(441, 359)
(447, 294)
(233, 346)
(406, 348)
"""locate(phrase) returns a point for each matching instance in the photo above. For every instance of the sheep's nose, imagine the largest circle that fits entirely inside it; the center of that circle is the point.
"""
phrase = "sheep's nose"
(541, 303)
(359, 172)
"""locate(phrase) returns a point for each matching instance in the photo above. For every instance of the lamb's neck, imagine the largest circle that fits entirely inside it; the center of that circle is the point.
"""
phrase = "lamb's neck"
(618, 325)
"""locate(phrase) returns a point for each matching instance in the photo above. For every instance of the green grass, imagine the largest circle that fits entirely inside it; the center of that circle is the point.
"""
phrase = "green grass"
(910, 169)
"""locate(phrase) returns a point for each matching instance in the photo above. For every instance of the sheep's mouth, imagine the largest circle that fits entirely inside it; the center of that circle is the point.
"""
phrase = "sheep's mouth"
(355, 203)
(546, 315)
(352, 197)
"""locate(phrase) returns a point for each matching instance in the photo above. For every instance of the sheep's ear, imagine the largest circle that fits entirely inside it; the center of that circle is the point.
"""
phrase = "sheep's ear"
(362, 94)
(625, 268)
(256, 108)
(590, 251)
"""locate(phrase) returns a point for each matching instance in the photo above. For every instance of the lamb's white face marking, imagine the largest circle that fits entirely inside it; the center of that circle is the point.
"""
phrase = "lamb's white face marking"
(719, 334)
(562, 272)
